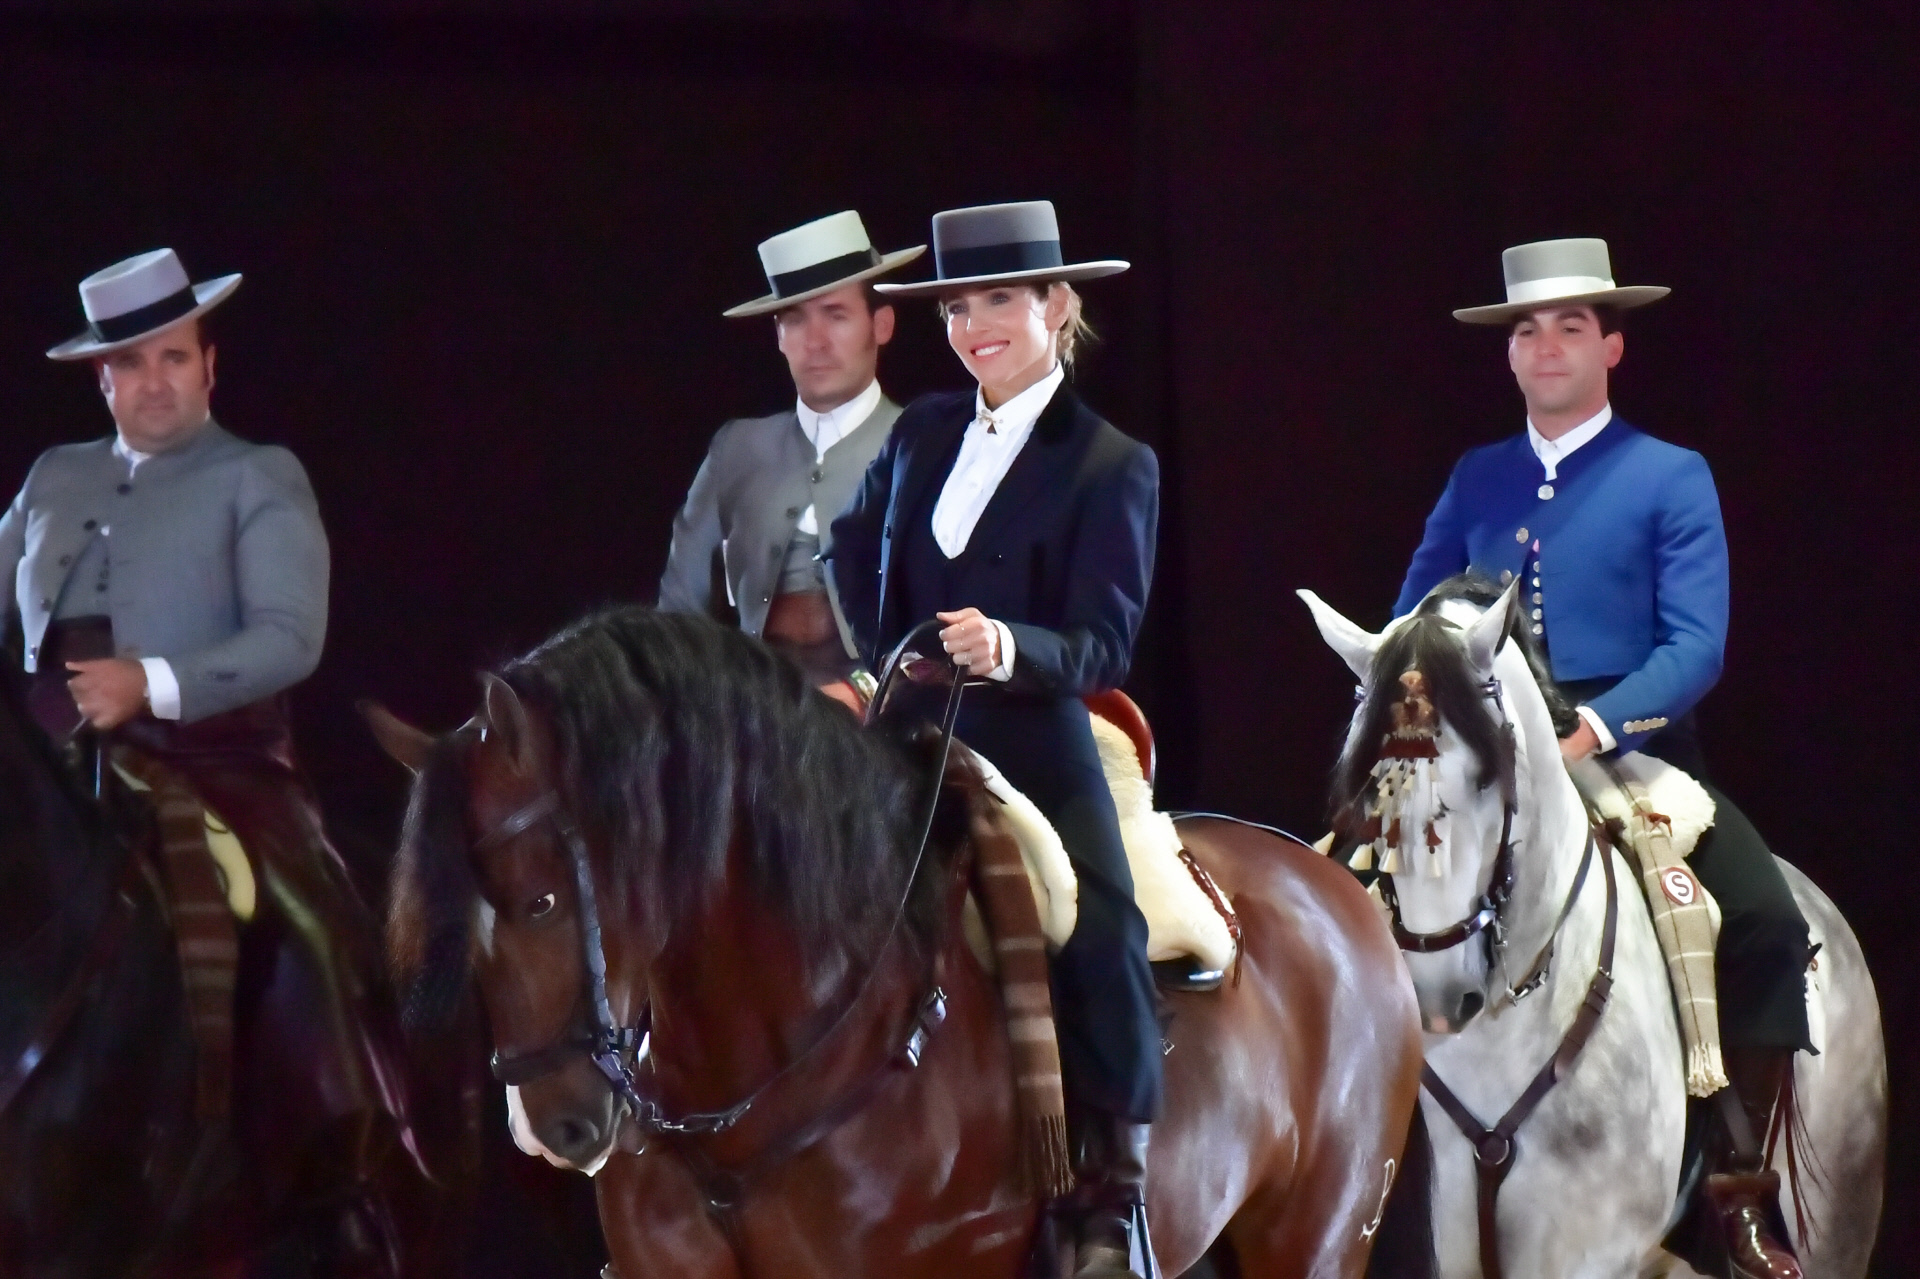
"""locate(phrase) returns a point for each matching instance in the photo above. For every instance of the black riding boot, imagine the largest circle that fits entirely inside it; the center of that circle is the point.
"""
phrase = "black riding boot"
(1745, 1194)
(1111, 1164)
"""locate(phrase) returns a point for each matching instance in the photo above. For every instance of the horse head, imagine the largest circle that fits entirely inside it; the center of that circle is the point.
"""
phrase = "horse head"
(1450, 785)
(492, 886)
(650, 815)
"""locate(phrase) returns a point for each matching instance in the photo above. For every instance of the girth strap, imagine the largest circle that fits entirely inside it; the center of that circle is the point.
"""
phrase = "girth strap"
(1494, 1148)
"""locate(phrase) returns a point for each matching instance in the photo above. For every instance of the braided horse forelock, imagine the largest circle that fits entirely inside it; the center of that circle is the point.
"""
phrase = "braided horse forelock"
(1420, 687)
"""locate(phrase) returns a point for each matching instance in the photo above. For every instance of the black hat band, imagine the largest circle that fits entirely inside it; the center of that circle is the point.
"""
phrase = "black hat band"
(154, 315)
(997, 259)
(820, 274)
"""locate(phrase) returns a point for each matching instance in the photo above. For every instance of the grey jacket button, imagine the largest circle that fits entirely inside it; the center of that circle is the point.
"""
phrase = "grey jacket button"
(91, 525)
(65, 560)
(793, 512)
(46, 602)
(124, 489)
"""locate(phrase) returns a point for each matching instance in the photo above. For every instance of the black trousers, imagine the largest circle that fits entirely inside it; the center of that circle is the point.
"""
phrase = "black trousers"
(1103, 994)
(1761, 962)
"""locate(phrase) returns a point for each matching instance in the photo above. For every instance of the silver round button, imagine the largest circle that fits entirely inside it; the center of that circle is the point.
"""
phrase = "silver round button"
(1546, 491)
(1539, 629)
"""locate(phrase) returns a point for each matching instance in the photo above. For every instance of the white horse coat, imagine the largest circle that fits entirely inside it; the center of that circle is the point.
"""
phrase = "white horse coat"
(1594, 1182)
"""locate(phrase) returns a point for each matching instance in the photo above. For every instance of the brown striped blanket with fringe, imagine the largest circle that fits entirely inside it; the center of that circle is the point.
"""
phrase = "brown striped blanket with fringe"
(204, 928)
(1001, 888)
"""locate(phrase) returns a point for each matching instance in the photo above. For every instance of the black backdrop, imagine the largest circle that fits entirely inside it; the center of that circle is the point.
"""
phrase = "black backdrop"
(486, 250)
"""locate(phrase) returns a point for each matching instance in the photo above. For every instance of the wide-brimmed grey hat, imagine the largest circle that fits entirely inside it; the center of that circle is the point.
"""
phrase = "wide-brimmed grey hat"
(825, 254)
(1551, 272)
(999, 244)
(135, 299)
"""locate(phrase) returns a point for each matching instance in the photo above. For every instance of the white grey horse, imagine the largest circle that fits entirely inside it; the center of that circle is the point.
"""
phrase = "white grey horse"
(1595, 1175)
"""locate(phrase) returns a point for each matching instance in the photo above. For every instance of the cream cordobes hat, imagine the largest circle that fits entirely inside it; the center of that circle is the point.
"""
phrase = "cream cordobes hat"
(1550, 272)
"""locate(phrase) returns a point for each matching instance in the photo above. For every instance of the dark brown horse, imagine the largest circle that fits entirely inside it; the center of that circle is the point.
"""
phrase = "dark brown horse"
(668, 796)
(105, 1168)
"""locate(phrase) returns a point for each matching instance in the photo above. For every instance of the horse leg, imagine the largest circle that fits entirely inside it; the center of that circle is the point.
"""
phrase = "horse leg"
(1831, 1154)
(656, 1222)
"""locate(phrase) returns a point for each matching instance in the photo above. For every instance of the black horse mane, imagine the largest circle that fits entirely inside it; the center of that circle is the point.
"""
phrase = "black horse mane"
(684, 750)
(1430, 644)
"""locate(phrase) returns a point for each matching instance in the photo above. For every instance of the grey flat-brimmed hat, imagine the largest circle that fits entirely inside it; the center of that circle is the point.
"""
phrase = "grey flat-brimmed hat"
(825, 254)
(135, 299)
(1548, 272)
(999, 244)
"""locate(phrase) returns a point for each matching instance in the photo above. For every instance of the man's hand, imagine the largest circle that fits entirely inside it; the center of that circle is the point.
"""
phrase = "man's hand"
(108, 692)
(973, 640)
(1580, 743)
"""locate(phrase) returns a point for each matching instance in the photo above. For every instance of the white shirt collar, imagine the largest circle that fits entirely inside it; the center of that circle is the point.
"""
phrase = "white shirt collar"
(1014, 420)
(131, 456)
(829, 428)
(1553, 452)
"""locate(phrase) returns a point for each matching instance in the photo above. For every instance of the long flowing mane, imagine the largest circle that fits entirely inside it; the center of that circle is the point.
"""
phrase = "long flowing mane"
(1429, 643)
(686, 752)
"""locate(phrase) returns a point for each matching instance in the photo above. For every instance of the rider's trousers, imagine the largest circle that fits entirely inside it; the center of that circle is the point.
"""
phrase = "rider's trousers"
(1103, 992)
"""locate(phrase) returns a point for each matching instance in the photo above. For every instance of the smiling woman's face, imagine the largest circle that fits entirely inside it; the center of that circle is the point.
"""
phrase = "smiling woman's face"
(1005, 335)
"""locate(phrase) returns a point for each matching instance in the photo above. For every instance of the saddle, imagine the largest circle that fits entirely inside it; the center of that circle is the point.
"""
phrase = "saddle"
(1191, 930)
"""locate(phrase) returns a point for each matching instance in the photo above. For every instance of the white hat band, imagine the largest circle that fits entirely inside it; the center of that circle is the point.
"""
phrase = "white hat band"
(1557, 286)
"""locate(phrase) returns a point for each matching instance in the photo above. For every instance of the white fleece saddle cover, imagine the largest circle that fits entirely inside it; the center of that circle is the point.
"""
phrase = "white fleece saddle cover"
(1181, 921)
(1673, 794)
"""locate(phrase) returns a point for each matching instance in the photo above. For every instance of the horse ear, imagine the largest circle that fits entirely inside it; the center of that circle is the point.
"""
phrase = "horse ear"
(1355, 646)
(406, 744)
(507, 722)
(1486, 635)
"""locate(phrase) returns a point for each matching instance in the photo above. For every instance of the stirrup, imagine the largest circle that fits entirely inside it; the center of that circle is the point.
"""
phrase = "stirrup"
(1185, 976)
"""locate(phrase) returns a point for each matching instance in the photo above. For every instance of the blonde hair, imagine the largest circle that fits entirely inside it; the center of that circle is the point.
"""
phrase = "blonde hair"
(1074, 333)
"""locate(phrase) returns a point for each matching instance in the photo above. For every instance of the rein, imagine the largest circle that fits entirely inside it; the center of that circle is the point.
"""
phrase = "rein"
(613, 1049)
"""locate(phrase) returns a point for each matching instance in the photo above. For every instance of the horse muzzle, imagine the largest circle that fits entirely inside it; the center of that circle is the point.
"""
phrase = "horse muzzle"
(568, 1127)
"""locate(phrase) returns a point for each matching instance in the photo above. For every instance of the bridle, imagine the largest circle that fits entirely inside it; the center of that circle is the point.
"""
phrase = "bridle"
(1495, 1147)
(1489, 908)
(614, 1049)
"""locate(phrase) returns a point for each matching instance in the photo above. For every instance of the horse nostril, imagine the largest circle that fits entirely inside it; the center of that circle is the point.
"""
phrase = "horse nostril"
(573, 1137)
(1470, 1005)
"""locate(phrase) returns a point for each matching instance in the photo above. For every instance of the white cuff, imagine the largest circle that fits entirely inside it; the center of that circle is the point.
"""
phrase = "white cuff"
(1004, 671)
(1598, 726)
(163, 688)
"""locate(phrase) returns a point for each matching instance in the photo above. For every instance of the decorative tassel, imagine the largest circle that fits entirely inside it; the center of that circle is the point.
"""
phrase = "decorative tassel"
(1706, 1073)
(1050, 1164)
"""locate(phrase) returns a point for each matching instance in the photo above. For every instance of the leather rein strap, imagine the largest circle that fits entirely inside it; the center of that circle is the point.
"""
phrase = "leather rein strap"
(1494, 1148)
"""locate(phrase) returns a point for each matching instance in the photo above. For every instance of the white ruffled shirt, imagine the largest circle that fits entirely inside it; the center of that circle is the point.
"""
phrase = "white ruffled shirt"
(993, 440)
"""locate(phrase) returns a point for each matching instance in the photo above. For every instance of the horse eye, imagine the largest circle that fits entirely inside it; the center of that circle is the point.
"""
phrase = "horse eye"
(541, 905)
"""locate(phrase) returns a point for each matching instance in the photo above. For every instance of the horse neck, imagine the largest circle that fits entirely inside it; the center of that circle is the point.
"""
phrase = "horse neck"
(1549, 830)
(736, 999)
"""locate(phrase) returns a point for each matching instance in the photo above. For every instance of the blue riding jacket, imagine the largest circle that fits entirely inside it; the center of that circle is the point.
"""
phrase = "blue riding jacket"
(1624, 558)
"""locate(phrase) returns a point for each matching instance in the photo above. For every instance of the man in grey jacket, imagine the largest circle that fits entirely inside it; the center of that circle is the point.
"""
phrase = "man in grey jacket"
(171, 582)
(748, 544)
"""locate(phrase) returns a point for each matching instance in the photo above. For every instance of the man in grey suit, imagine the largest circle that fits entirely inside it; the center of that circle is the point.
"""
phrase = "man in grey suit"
(748, 544)
(171, 582)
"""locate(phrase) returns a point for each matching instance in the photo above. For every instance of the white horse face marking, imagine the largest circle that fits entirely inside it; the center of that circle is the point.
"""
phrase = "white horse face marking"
(522, 1130)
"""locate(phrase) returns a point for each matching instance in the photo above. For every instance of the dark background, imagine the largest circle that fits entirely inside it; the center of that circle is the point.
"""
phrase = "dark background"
(487, 246)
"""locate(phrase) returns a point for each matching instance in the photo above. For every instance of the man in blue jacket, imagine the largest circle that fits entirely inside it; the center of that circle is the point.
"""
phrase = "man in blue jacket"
(1619, 539)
